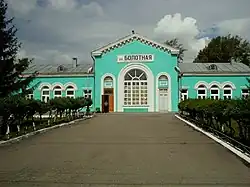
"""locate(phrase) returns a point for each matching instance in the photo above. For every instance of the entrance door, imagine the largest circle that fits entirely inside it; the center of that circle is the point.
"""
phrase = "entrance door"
(108, 100)
(163, 100)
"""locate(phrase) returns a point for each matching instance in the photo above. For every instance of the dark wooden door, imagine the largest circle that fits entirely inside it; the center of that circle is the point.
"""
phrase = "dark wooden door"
(111, 103)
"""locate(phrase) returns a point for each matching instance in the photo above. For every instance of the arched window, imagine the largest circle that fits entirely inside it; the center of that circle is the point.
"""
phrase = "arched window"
(135, 88)
(163, 77)
(70, 92)
(163, 81)
(108, 82)
(60, 68)
(201, 92)
(57, 91)
(227, 92)
(215, 92)
(45, 94)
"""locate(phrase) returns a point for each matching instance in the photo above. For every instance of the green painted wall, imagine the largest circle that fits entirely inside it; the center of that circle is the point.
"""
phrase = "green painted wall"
(190, 81)
(163, 62)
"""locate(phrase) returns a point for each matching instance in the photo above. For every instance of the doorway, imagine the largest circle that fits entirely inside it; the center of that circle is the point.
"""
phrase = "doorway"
(163, 100)
(108, 100)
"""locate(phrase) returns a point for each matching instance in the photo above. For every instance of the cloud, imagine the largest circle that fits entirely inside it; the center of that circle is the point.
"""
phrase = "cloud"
(22, 6)
(62, 4)
(54, 31)
(186, 30)
(191, 36)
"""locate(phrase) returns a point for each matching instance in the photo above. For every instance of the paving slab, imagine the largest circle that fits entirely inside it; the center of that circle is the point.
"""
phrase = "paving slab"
(154, 149)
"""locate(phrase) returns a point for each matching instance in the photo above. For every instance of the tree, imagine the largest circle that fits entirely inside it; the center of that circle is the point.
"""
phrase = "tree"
(225, 49)
(11, 68)
(175, 44)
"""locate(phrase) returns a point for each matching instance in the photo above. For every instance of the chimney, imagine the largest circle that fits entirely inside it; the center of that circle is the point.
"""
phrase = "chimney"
(74, 62)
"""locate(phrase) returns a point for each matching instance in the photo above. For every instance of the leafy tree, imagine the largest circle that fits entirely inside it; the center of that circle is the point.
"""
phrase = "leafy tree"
(175, 44)
(11, 68)
(225, 49)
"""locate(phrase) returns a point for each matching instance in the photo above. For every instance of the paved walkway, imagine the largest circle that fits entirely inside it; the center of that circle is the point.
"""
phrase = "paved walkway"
(121, 149)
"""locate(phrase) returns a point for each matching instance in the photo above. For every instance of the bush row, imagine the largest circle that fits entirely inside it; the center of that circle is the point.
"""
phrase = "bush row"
(231, 117)
(19, 115)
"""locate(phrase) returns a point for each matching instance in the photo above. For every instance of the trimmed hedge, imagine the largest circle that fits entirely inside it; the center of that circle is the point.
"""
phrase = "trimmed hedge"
(231, 117)
(21, 114)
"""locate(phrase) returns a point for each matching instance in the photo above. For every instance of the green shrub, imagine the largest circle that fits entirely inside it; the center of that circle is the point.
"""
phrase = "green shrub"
(228, 116)
(22, 110)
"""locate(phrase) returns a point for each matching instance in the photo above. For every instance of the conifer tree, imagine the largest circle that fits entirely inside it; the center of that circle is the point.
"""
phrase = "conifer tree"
(11, 68)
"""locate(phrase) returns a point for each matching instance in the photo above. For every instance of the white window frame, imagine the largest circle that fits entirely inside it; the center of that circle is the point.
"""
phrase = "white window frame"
(87, 95)
(201, 96)
(56, 89)
(213, 95)
(30, 95)
(70, 88)
(227, 96)
(245, 93)
(136, 89)
(184, 96)
(45, 97)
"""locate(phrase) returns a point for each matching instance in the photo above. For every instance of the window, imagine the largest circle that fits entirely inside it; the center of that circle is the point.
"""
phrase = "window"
(215, 92)
(70, 92)
(212, 67)
(227, 92)
(87, 93)
(45, 94)
(184, 94)
(135, 88)
(30, 95)
(60, 68)
(244, 93)
(163, 81)
(57, 91)
(108, 82)
(201, 92)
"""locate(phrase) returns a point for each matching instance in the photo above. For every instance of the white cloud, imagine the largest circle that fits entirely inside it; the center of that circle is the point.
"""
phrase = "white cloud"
(235, 27)
(185, 30)
(58, 30)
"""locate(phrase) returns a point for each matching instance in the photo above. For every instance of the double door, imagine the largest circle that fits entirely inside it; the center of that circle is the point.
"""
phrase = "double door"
(108, 100)
(163, 100)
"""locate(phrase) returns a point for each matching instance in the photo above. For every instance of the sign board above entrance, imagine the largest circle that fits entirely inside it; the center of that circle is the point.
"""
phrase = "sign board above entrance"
(135, 58)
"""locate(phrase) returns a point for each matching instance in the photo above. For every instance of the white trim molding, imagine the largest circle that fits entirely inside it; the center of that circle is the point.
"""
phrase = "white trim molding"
(244, 87)
(57, 84)
(228, 83)
(44, 84)
(134, 37)
(63, 75)
(201, 83)
(114, 88)
(216, 74)
(150, 82)
(169, 91)
(70, 84)
(216, 83)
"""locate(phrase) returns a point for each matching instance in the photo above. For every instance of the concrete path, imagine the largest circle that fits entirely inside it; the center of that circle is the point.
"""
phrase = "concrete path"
(121, 150)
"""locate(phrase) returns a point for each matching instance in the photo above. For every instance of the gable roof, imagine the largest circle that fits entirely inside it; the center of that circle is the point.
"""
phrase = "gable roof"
(52, 69)
(221, 68)
(130, 38)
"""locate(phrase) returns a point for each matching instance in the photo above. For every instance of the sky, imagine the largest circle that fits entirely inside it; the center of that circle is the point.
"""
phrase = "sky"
(55, 31)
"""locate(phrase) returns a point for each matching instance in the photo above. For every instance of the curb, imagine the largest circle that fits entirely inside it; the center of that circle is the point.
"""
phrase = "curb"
(224, 144)
(19, 138)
